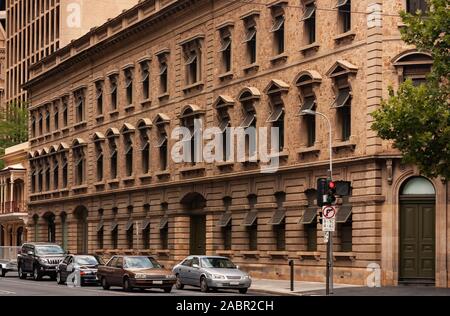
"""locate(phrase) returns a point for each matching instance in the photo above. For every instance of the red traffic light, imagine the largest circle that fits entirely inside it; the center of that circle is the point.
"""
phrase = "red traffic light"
(332, 185)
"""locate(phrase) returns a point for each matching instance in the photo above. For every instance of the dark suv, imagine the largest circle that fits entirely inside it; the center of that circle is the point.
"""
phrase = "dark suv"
(39, 259)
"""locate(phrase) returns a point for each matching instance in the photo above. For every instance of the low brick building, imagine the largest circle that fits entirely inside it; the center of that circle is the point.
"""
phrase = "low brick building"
(104, 107)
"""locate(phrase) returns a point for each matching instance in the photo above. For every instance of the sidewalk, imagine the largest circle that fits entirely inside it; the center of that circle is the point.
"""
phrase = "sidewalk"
(283, 287)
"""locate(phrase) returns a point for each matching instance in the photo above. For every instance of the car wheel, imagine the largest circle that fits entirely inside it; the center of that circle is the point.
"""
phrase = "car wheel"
(36, 275)
(126, 285)
(2, 272)
(58, 278)
(167, 289)
(105, 284)
(22, 275)
(243, 291)
(204, 285)
(178, 284)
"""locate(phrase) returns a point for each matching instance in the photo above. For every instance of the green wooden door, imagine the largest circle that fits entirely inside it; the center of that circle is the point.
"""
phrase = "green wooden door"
(417, 242)
(198, 235)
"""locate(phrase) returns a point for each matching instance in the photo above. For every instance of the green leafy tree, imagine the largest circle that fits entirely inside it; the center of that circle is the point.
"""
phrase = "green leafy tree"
(13, 127)
(417, 118)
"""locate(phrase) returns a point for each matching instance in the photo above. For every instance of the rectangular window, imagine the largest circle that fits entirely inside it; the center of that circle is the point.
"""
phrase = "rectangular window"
(100, 238)
(278, 33)
(146, 158)
(129, 159)
(55, 175)
(145, 71)
(162, 145)
(33, 127)
(412, 6)
(345, 113)
(99, 165)
(311, 236)
(114, 238)
(56, 118)
(227, 236)
(280, 235)
(309, 18)
(250, 40)
(113, 92)
(114, 164)
(163, 78)
(65, 115)
(193, 68)
(277, 120)
(253, 236)
(129, 86)
(346, 236)
(99, 97)
(311, 129)
(64, 174)
(146, 237)
(130, 237)
(164, 235)
(225, 50)
(79, 106)
(345, 16)
(47, 178)
(47, 122)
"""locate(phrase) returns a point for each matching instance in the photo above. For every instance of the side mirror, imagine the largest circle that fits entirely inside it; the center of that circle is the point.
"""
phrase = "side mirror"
(30, 253)
(70, 268)
(195, 266)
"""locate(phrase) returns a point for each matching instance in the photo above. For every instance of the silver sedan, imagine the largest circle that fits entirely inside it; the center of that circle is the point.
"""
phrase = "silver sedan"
(211, 272)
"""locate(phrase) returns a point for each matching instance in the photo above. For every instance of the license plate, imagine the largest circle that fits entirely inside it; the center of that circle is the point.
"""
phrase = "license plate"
(157, 282)
(234, 283)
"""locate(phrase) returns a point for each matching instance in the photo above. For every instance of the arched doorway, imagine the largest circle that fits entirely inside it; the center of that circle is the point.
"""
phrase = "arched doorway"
(51, 226)
(19, 236)
(81, 214)
(417, 231)
(194, 204)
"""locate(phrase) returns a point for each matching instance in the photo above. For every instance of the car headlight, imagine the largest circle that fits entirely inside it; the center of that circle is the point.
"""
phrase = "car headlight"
(140, 276)
(246, 277)
(218, 276)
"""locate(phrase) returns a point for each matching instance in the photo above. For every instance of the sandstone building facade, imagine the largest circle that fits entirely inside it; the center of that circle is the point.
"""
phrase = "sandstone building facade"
(103, 109)
(37, 28)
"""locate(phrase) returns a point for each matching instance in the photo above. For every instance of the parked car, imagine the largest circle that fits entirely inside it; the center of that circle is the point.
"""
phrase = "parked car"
(131, 272)
(211, 272)
(82, 266)
(39, 259)
(8, 259)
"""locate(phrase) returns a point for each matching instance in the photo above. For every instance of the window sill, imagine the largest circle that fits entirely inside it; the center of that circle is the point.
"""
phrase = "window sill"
(344, 145)
(129, 107)
(80, 124)
(100, 118)
(113, 181)
(80, 187)
(65, 130)
(350, 35)
(145, 176)
(115, 112)
(226, 76)
(250, 68)
(163, 96)
(56, 133)
(313, 150)
(146, 102)
(229, 253)
(282, 154)
(251, 160)
(47, 135)
(192, 169)
(344, 255)
(162, 174)
(99, 184)
(128, 179)
(195, 86)
(65, 190)
(275, 254)
(310, 47)
(225, 165)
(40, 138)
(254, 253)
(308, 255)
(33, 140)
(281, 58)
(165, 252)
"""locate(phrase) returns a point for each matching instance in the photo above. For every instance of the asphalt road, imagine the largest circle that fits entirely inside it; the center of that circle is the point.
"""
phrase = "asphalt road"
(11, 285)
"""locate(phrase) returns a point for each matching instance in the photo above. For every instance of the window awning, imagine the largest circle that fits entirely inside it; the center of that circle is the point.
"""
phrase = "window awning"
(145, 75)
(276, 114)
(99, 93)
(164, 222)
(191, 59)
(225, 219)
(251, 34)
(113, 88)
(223, 125)
(279, 21)
(128, 82)
(129, 224)
(308, 104)
(309, 215)
(343, 214)
(146, 223)
(309, 11)
(277, 217)
(163, 68)
(226, 43)
(161, 141)
(342, 99)
(114, 225)
(100, 226)
(250, 218)
(341, 3)
(248, 120)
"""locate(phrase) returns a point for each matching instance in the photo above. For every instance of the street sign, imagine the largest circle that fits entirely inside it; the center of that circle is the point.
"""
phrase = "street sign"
(329, 224)
(329, 211)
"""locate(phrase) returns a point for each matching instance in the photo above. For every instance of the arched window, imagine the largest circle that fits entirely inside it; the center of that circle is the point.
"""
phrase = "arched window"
(413, 65)
(418, 186)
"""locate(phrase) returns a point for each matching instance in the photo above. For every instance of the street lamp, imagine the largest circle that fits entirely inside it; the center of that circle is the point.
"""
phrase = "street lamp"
(330, 235)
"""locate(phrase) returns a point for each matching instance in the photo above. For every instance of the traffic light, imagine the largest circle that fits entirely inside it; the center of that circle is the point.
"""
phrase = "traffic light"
(331, 195)
(322, 191)
(343, 188)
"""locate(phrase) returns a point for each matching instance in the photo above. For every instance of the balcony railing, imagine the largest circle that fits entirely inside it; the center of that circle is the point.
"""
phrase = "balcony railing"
(12, 207)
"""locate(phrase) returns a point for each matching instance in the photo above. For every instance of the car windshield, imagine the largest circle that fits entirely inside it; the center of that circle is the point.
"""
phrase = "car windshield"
(86, 261)
(49, 250)
(141, 263)
(219, 263)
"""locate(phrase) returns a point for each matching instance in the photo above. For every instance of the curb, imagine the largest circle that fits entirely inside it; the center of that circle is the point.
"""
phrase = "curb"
(273, 292)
